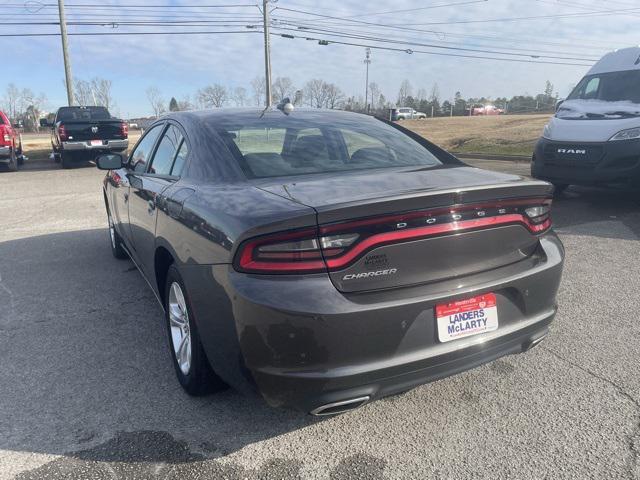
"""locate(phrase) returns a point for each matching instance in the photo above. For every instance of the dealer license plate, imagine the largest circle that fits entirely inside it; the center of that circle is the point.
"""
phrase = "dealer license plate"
(467, 317)
(95, 143)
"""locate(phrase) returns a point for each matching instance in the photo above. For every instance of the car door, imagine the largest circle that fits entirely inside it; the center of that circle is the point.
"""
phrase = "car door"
(146, 188)
(119, 183)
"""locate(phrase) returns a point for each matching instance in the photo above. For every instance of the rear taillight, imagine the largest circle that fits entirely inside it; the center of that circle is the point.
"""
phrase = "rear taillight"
(124, 130)
(6, 137)
(62, 133)
(336, 246)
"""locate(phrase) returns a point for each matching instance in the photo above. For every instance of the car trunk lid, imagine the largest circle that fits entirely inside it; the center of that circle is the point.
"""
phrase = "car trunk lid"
(412, 226)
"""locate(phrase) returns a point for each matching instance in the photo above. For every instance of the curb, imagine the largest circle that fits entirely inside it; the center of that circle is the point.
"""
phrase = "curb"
(488, 156)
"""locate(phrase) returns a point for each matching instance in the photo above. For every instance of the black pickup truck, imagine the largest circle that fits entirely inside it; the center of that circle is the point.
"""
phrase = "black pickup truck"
(82, 133)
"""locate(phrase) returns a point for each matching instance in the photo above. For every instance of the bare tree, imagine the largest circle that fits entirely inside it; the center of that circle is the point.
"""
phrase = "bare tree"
(212, 96)
(11, 99)
(35, 104)
(421, 94)
(239, 96)
(316, 93)
(334, 96)
(406, 90)
(258, 85)
(101, 92)
(375, 93)
(282, 88)
(156, 100)
(83, 93)
(185, 104)
(435, 93)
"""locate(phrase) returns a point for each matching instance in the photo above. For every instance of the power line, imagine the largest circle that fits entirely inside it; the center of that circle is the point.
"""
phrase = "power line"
(507, 19)
(442, 47)
(389, 26)
(304, 26)
(99, 34)
(407, 10)
(411, 51)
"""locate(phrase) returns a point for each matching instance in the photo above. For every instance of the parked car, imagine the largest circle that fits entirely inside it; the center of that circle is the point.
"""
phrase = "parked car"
(405, 113)
(481, 109)
(79, 134)
(594, 136)
(329, 258)
(10, 144)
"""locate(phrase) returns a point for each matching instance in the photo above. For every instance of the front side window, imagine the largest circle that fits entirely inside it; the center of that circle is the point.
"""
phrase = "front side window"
(609, 87)
(142, 152)
(166, 151)
(280, 146)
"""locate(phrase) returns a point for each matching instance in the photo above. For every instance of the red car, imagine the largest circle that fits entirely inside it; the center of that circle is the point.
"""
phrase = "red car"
(486, 110)
(10, 144)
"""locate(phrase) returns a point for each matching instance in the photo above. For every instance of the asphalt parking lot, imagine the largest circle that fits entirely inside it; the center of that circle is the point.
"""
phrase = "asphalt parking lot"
(87, 389)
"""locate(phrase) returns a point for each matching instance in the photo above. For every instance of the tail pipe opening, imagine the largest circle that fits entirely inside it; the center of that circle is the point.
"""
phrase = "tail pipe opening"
(340, 407)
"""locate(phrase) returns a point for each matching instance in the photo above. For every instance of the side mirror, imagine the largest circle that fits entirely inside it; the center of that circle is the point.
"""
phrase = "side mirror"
(110, 161)
(560, 102)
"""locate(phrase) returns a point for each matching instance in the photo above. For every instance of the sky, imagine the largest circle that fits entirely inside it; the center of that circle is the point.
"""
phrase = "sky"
(578, 31)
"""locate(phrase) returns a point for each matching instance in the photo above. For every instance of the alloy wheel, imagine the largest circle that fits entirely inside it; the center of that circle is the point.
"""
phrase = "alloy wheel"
(179, 323)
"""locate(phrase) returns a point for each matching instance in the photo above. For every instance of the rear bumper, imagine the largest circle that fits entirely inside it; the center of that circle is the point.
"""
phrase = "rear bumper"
(5, 154)
(305, 344)
(603, 162)
(107, 145)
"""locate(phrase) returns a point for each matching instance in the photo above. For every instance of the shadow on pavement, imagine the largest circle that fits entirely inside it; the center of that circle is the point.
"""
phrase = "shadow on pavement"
(600, 212)
(83, 349)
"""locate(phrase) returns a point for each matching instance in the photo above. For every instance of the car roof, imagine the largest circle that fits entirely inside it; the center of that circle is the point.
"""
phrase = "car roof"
(617, 61)
(251, 114)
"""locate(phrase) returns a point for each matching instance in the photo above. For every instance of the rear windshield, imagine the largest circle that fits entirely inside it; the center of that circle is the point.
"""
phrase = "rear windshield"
(277, 145)
(83, 113)
(609, 87)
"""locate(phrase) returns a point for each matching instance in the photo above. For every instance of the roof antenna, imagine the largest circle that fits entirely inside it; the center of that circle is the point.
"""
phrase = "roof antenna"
(285, 106)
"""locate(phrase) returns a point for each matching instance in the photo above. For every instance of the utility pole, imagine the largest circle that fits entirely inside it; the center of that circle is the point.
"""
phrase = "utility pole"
(65, 53)
(267, 51)
(367, 61)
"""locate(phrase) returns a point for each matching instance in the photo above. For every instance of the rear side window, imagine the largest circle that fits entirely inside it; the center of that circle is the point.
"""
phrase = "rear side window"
(258, 140)
(280, 146)
(181, 158)
(83, 113)
(166, 151)
(142, 152)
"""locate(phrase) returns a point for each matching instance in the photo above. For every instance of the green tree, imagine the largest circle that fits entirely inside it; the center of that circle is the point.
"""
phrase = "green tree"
(173, 105)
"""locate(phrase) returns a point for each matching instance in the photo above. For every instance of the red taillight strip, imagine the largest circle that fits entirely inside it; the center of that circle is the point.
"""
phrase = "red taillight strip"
(249, 264)
(432, 212)
(415, 233)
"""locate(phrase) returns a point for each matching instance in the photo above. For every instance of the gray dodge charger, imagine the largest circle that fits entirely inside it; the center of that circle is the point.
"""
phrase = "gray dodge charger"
(326, 259)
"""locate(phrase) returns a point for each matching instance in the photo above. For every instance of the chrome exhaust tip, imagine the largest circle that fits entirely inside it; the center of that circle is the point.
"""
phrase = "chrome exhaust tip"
(532, 343)
(340, 407)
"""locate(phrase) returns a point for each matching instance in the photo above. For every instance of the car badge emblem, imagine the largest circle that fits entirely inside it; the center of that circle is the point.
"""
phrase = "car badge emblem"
(456, 216)
(94, 129)
(431, 220)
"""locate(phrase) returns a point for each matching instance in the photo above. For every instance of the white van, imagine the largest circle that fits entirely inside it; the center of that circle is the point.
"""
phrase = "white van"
(594, 137)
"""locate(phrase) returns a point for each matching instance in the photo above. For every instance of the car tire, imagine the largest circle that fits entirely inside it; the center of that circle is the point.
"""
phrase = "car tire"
(66, 159)
(116, 241)
(187, 353)
(559, 188)
(13, 162)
